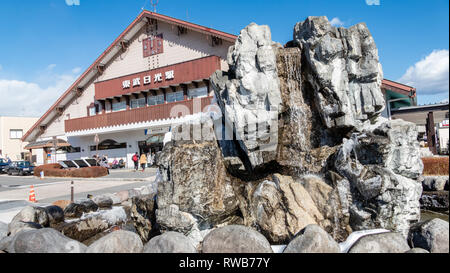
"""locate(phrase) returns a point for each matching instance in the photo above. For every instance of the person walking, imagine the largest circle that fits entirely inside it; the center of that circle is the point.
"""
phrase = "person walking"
(135, 159)
(143, 161)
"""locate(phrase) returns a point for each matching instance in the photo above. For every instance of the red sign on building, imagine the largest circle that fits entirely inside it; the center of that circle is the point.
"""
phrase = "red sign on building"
(163, 77)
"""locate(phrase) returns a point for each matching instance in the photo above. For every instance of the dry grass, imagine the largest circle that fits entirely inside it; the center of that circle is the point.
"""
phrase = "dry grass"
(55, 170)
(435, 165)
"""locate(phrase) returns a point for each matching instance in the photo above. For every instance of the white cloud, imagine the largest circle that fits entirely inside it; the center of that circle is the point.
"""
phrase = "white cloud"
(76, 70)
(20, 98)
(51, 66)
(336, 22)
(429, 75)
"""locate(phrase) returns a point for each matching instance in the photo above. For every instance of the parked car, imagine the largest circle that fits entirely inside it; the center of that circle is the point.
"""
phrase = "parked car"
(3, 165)
(20, 168)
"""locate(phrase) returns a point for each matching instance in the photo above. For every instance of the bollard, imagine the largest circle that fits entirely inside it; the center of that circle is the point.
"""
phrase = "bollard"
(71, 192)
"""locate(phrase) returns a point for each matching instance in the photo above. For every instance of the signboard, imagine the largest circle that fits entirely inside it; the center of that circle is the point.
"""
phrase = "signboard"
(146, 80)
(444, 123)
(157, 131)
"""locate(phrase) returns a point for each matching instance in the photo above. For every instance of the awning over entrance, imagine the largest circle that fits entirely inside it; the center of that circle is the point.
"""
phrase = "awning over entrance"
(46, 144)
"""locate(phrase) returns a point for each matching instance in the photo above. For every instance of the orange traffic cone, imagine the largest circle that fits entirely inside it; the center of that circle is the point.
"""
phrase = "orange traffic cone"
(32, 196)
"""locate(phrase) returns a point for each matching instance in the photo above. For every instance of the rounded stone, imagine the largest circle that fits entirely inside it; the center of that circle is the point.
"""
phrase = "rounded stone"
(117, 242)
(431, 235)
(170, 242)
(45, 240)
(381, 243)
(235, 239)
(313, 239)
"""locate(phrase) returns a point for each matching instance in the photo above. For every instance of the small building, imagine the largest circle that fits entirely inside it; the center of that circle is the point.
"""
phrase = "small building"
(12, 130)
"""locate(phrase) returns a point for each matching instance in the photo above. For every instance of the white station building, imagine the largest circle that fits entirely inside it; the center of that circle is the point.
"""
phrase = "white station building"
(155, 74)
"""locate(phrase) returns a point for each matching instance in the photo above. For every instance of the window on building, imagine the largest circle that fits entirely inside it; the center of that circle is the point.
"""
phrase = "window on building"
(118, 106)
(198, 92)
(136, 103)
(155, 100)
(176, 96)
(108, 144)
(153, 45)
(92, 111)
(15, 133)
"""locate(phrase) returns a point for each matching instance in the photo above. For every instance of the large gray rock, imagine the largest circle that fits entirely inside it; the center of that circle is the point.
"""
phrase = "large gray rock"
(432, 235)
(170, 242)
(381, 243)
(202, 188)
(103, 201)
(344, 71)
(82, 230)
(36, 215)
(313, 239)
(45, 240)
(380, 168)
(279, 208)
(29, 218)
(18, 226)
(76, 209)
(55, 215)
(117, 242)
(250, 97)
(235, 239)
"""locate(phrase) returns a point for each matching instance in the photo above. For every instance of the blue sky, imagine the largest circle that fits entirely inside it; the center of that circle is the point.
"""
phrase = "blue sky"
(46, 44)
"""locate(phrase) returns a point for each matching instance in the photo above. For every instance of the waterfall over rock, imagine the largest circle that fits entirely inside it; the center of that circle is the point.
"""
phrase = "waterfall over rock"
(300, 140)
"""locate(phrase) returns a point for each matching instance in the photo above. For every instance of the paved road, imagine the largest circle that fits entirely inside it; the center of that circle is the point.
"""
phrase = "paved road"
(14, 190)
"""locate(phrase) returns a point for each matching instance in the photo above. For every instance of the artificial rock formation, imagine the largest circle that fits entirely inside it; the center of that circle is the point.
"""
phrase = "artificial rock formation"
(299, 140)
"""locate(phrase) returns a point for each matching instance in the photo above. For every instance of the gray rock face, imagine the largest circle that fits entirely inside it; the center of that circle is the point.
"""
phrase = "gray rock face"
(201, 188)
(235, 239)
(55, 215)
(103, 201)
(5, 244)
(343, 69)
(143, 215)
(3, 230)
(380, 168)
(279, 208)
(170, 242)
(29, 218)
(45, 240)
(117, 242)
(76, 209)
(18, 226)
(313, 239)
(431, 235)
(381, 243)
(250, 98)
(32, 214)
(83, 229)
